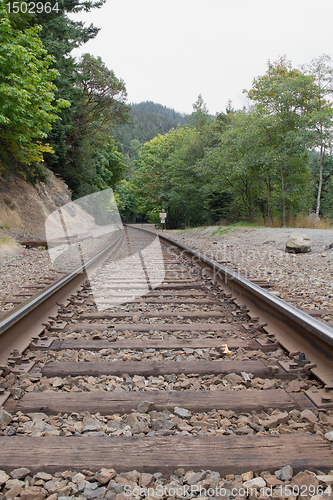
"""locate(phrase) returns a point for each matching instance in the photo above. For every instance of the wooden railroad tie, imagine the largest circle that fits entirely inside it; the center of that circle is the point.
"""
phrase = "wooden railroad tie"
(166, 454)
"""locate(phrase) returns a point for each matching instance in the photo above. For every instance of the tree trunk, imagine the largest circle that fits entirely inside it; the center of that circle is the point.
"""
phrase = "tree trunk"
(284, 218)
(269, 208)
(268, 204)
(249, 201)
(322, 152)
(168, 219)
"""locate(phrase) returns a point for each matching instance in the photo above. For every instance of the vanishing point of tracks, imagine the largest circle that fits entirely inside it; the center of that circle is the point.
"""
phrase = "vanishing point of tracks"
(205, 373)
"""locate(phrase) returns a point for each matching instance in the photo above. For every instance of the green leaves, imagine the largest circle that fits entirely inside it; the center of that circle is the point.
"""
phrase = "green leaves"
(285, 99)
(74, 114)
(103, 97)
(166, 177)
(26, 94)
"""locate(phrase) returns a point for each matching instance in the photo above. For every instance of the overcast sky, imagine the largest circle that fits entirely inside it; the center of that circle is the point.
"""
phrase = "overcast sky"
(170, 51)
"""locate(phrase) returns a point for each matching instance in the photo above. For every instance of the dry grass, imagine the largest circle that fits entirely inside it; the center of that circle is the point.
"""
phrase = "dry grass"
(8, 246)
(302, 220)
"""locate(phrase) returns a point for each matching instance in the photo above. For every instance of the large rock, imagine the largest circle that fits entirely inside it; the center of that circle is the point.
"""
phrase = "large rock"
(298, 243)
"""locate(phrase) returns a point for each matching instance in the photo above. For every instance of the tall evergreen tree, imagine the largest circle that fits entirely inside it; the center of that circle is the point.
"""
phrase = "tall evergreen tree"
(200, 117)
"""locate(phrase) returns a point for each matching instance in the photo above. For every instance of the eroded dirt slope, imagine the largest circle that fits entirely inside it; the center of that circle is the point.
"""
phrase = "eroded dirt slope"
(24, 208)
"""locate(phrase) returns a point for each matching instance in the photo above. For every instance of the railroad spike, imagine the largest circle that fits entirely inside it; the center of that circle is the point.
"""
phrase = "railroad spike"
(309, 367)
(5, 370)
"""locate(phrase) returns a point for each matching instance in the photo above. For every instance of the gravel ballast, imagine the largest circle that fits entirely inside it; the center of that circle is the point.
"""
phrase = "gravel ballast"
(260, 253)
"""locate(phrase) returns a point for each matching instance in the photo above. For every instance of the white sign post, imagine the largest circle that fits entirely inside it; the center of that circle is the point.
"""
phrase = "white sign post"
(163, 217)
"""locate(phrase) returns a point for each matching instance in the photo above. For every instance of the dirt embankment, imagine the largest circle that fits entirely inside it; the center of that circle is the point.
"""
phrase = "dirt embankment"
(24, 208)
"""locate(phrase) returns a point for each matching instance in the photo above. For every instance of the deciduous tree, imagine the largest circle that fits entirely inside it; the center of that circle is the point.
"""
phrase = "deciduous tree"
(285, 98)
(322, 115)
(166, 179)
(27, 106)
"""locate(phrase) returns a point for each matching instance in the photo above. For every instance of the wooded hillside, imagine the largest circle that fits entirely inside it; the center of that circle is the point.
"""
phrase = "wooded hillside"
(147, 119)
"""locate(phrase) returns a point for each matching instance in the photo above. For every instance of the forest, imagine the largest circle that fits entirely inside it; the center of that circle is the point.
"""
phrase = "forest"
(267, 163)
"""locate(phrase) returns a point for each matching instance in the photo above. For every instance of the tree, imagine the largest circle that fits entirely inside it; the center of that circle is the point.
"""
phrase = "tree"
(109, 166)
(322, 115)
(60, 35)
(147, 119)
(99, 104)
(285, 98)
(27, 107)
(128, 201)
(236, 165)
(84, 129)
(326, 202)
(200, 117)
(165, 178)
(103, 98)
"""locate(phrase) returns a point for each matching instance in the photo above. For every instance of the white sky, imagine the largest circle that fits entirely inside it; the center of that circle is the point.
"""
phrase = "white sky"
(171, 51)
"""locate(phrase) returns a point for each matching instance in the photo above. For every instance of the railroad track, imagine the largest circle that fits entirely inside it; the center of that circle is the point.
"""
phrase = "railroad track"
(205, 381)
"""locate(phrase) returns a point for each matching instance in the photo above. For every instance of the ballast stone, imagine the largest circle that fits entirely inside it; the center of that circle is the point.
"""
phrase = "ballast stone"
(303, 480)
(256, 482)
(182, 412)
(285, 473)
(3, 477)
(329, 436)
(298, 243)
(5, 417)
(20, 473)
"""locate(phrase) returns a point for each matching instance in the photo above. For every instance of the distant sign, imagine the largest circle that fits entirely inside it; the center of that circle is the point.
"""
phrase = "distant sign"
(163, 217)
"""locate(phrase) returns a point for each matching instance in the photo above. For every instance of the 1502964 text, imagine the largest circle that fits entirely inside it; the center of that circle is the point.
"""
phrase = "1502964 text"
(32, 7)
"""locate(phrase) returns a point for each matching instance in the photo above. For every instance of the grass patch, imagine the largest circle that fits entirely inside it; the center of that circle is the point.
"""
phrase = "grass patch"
(8, 241)
(221, 230)
(302, 220)
(4, 240)
(253, 225)
(232, 227)
(5, 226)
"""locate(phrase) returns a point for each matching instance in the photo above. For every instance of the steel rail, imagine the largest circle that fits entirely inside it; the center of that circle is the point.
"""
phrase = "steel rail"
(18, 319)
(295, 330)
